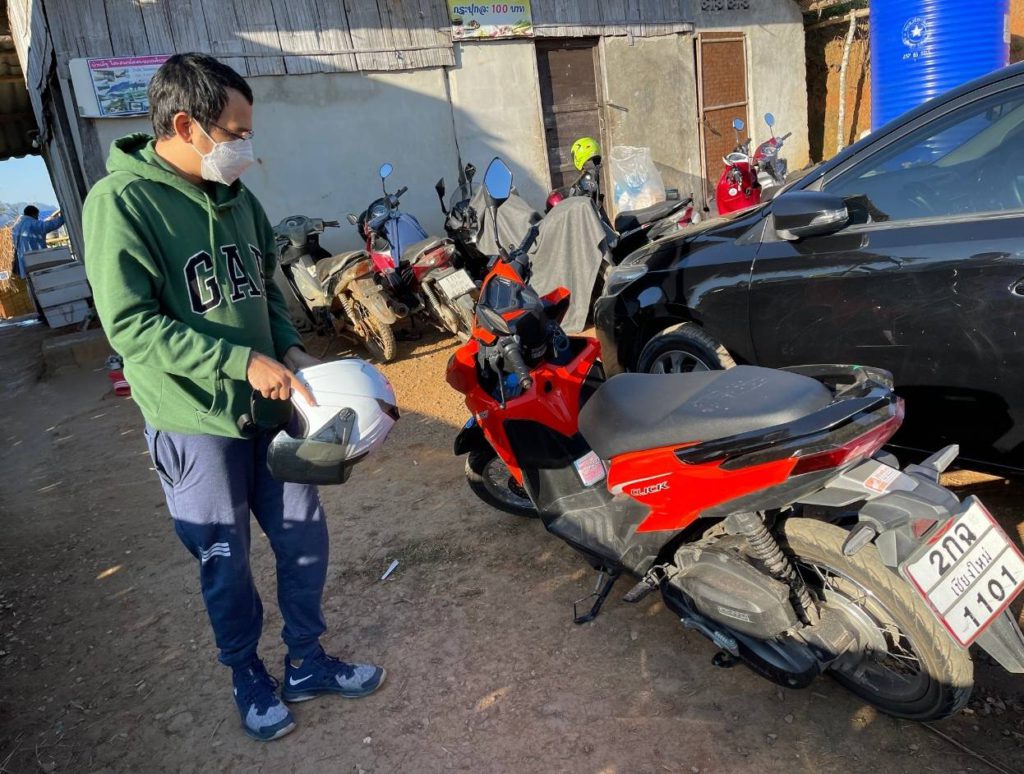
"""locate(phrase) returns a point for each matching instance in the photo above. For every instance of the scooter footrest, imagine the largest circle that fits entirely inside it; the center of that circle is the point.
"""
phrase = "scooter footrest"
(638, 592)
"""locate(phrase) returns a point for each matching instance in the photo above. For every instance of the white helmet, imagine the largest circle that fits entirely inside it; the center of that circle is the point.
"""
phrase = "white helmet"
(355, 411)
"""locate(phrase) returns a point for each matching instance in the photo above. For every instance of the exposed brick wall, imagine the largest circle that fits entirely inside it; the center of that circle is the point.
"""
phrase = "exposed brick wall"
(824, 57)
(1016, 31)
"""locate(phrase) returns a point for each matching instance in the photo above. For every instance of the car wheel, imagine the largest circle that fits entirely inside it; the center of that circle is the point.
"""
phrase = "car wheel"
(684, 348)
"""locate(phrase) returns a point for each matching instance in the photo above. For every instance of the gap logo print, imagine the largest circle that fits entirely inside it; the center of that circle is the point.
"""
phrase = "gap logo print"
(207, 289)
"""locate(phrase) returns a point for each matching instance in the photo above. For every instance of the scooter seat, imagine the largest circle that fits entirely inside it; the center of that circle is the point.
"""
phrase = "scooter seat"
(417, 250)
(636, 412)
(626, 221)
(328, 267)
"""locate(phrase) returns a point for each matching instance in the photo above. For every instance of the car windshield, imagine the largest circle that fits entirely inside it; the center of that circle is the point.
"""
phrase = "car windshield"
(959, 140)
(968, 160)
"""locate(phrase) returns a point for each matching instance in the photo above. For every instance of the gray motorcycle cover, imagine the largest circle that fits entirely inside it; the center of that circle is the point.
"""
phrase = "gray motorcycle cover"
(571, 246)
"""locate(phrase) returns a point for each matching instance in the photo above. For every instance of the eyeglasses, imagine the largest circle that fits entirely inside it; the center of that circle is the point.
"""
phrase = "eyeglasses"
(237, 135)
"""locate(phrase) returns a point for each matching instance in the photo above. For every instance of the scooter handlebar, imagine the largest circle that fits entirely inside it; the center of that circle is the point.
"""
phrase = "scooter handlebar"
(331, 224)
(513, 356)
(401, 191)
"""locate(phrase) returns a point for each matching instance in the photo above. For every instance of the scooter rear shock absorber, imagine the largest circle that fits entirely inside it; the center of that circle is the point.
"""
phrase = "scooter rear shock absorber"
(767, 549)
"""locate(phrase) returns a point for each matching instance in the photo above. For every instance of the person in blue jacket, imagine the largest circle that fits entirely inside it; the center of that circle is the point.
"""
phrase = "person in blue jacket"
(29, 233)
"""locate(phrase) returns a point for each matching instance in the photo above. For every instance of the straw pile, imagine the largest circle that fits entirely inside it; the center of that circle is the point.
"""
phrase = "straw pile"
(14, 297)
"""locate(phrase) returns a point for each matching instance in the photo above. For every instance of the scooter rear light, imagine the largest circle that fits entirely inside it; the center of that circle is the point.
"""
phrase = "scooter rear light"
(861, 447)
(921, 526)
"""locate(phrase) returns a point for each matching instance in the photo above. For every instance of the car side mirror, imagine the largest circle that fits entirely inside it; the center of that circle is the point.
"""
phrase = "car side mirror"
(800, 214)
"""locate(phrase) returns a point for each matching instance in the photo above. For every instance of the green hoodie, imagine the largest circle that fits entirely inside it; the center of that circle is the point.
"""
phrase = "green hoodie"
(183, 283)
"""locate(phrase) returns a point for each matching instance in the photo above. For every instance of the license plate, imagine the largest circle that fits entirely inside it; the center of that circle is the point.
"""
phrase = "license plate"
(968, 573)
(456, 284)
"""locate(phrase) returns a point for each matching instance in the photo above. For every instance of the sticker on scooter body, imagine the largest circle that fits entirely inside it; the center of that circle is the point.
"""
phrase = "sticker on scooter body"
(885, 478)
(589, 468)
(968, 573)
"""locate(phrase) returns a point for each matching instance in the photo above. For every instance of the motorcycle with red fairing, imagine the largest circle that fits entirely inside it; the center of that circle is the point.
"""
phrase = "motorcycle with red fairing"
(758, 502)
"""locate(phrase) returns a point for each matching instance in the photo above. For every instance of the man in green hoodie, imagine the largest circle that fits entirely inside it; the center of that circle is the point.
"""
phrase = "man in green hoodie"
(181, 259)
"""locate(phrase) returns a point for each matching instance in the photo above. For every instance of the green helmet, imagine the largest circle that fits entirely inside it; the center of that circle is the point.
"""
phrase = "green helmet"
(584, 149)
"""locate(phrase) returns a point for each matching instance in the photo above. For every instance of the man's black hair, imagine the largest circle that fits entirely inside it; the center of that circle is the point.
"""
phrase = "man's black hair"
(32, 211)
(196, 84)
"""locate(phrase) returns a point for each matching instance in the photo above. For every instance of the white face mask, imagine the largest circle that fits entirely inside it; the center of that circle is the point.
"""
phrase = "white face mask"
(226, 161)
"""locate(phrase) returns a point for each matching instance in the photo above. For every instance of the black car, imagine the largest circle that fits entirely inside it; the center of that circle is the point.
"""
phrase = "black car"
(905, 252)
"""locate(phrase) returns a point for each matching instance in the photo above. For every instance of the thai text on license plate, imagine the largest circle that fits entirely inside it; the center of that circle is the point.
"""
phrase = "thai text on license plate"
(968, 573)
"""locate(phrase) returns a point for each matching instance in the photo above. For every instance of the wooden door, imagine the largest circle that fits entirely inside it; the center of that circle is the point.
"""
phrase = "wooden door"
(569, 99)
(722, 97)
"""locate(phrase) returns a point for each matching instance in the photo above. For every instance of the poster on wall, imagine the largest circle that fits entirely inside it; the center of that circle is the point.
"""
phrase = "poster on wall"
(490, 21)
(120, 85)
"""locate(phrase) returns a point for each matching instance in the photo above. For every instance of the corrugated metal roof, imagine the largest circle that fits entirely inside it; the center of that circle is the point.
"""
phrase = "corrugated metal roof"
(17, 123)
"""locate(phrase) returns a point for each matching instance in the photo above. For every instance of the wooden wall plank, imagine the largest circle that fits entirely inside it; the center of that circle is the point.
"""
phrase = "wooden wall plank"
(368, 32)
(257, 31)
(84, 24)
(156, 18)
(126, 29)
(298, 30)
(335, 36)
(221, 27)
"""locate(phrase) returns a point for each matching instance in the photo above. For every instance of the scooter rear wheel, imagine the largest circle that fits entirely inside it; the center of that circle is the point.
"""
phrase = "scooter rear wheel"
(381, 341)
(491, 481)
(908, 666)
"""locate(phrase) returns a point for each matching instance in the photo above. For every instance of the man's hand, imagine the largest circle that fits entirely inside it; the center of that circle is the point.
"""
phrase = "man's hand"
(296, 358)
(274, 380)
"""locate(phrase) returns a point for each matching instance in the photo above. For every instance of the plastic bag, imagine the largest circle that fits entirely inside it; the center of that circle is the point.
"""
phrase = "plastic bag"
(635, 181)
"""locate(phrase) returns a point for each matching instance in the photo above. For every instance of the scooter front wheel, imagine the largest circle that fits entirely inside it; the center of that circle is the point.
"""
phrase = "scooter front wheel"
(491, 481)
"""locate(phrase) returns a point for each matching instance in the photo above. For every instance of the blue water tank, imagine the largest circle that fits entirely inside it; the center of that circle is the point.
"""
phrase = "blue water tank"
(921, 48)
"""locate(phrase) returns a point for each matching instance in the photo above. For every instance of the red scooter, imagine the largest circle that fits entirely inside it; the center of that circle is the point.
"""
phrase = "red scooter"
(756, 501)
(743, 180)
(418, 270)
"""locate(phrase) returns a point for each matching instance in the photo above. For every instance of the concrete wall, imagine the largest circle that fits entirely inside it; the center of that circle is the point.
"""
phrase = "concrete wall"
(496, 101)
(651, 101)
(320, 139)
(777, 72)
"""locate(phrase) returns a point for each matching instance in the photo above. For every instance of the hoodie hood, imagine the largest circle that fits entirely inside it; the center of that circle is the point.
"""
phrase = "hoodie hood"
(136, 154)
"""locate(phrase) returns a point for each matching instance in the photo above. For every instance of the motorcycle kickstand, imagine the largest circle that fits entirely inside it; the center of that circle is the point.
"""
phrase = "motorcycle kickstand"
(605, 581)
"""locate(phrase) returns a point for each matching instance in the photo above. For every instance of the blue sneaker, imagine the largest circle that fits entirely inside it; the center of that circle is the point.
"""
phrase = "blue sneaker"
(264, 717)
(321, 673)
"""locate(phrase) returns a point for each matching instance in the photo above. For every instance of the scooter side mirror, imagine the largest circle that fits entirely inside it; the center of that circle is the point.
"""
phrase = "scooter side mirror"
(737, 124)
(497, 182)
(353, 219)
(769, 119)
(385, 171)
(439, 187)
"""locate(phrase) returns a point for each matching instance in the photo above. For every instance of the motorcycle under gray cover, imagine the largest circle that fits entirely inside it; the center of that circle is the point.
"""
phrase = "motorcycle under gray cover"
(571, 245)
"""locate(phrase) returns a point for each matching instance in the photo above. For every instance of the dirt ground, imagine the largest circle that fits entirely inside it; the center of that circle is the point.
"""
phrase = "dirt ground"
(107, 662)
